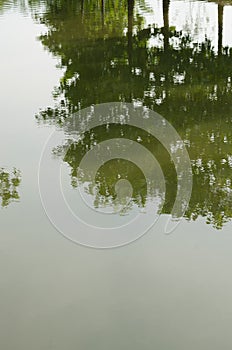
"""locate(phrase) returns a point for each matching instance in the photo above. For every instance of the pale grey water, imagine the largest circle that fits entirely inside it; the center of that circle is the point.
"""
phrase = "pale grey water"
(161, 292)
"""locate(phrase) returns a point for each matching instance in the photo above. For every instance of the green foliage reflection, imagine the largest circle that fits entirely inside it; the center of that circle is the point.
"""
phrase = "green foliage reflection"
(9, 186)
(109, 55)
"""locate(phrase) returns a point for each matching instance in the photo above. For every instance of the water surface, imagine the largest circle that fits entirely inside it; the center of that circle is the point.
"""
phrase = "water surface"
(161, 291)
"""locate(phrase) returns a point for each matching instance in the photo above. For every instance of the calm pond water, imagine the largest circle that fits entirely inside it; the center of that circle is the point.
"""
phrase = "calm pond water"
(163, 291)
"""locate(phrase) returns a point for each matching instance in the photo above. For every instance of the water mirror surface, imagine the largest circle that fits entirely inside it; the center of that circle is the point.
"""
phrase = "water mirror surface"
(162, 291)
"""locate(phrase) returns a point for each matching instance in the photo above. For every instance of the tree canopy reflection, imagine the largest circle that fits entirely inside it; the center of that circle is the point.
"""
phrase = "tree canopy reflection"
(9, 183)
(109, 55)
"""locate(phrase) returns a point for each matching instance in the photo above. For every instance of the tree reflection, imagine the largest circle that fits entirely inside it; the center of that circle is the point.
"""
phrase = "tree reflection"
(220, 27)
(108, 55)
(9, 186)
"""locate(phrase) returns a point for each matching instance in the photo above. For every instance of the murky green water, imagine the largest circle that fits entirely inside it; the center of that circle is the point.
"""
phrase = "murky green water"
(162, 291)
